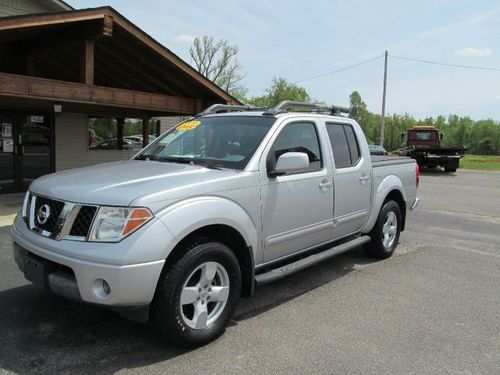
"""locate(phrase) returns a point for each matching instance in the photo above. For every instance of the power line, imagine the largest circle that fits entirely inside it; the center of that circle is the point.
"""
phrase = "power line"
(332, 72)
(445, 64)
(339, 70)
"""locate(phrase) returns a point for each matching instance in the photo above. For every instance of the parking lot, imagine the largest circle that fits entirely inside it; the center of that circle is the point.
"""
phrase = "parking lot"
(432, 308)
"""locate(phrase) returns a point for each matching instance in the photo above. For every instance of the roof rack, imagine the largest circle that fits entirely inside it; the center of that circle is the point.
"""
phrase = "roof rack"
(285, 105)
(281, 107)
(215, 108)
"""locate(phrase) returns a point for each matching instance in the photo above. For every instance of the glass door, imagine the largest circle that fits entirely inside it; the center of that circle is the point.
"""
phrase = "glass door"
(35, 144)
(26, 149)
(7, 153)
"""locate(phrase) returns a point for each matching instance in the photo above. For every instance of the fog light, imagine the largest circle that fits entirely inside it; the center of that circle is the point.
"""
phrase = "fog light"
(106, 287)
(101, 288)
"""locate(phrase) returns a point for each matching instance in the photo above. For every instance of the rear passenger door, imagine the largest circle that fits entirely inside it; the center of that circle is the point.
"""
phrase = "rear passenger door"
(352, 177)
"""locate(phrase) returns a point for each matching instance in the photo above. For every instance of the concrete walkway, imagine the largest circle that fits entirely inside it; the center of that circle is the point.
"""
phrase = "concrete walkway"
(9, 206)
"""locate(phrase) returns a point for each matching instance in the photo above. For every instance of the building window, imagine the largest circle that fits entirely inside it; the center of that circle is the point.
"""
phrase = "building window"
(104, 134)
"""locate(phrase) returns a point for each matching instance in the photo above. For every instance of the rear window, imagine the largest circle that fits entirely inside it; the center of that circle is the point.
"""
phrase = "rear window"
(344, 144)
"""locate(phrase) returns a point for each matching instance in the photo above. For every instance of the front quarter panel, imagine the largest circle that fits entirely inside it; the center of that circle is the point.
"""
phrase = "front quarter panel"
(189, 215)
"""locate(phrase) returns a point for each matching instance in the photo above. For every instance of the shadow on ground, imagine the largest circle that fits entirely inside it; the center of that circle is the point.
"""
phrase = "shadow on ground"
(43, 333)
(438, 172)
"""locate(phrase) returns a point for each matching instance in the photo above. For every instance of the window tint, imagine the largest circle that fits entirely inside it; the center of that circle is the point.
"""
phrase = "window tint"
(344, 145)
(299, 137)
(353, 144)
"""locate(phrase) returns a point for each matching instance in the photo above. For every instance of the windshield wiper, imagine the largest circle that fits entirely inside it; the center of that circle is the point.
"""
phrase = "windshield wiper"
(182, 160)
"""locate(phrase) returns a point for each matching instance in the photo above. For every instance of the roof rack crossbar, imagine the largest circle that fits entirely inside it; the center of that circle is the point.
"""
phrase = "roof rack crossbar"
(286, 104)
(227, 107)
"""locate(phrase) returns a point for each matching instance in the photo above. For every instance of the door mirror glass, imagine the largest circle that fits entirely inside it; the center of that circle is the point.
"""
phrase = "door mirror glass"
(291, 162)
(403, 137)
(441, 136)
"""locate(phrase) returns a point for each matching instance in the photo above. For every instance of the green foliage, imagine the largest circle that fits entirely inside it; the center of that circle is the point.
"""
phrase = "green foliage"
(279, 90)
(480, 137)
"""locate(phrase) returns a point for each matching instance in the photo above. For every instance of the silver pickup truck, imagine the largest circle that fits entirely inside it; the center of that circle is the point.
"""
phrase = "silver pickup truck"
(217, 205)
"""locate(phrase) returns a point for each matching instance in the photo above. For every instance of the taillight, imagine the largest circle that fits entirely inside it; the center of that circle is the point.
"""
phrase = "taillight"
(417, 175)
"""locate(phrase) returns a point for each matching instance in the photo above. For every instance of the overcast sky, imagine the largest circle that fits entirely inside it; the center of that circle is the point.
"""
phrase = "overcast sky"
(301, 39)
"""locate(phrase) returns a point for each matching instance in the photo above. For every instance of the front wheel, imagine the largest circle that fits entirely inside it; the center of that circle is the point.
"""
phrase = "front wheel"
(197, 295)
(385, 233)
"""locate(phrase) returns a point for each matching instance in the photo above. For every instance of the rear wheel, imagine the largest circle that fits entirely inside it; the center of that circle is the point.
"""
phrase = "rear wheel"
(385, 234)
(450, 169)
(197, 295)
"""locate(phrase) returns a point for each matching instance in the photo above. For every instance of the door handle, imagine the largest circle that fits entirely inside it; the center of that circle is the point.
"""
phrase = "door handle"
(364, 178)
(324, 185)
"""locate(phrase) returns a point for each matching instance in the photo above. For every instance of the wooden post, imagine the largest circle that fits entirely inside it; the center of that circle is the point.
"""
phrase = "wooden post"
(119, 132)
(87, 63)
(158, 128)
(145, 131)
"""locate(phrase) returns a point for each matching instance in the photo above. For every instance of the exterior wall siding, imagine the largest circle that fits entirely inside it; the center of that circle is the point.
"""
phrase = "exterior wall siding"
(71, 133)
(167, 123)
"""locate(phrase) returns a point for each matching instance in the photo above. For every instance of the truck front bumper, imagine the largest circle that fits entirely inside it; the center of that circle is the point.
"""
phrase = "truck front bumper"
(125, 287)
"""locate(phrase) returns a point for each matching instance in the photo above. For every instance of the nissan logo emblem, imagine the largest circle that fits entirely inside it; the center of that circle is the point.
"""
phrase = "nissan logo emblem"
(43, 214)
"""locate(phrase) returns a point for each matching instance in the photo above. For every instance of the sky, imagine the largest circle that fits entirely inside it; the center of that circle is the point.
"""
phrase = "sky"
(302, 39)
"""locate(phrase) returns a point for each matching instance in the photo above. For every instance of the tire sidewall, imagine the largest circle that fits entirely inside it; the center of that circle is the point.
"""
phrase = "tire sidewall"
(389, 206)
(199, 254)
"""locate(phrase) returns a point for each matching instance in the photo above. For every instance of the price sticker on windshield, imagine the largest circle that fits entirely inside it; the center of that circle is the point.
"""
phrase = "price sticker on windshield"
(190, 125)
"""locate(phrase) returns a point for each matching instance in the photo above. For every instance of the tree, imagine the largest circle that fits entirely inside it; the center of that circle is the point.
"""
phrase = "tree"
(280, 90)
(217, 61)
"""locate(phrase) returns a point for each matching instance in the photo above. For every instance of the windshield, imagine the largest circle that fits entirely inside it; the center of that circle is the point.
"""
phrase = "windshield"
(227, 142)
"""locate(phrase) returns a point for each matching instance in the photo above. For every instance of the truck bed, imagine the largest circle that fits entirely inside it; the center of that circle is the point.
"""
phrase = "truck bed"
(385, 160)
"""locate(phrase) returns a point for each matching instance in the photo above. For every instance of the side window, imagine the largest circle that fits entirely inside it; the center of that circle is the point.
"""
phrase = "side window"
(299, 137)
(344, 145)
(353, 144)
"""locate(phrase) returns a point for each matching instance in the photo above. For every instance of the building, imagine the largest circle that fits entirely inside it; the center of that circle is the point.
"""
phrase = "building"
(67, 74)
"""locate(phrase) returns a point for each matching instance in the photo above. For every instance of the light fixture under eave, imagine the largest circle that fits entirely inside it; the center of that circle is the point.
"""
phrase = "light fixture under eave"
(57, 108)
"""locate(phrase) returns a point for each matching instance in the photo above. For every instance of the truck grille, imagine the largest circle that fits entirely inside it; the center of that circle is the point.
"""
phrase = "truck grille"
(57, 219)
(81, 225)
(50, 207)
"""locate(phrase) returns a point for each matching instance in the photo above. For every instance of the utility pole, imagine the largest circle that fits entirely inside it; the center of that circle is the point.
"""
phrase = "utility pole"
(382, 121)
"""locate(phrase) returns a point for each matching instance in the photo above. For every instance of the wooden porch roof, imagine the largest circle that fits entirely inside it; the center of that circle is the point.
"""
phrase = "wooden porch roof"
(98, 61)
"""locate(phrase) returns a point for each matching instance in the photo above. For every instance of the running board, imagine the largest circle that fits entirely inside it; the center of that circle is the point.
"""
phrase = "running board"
(299, 265)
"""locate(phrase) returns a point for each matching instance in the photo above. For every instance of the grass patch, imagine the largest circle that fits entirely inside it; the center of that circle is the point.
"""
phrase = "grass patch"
(484, 162)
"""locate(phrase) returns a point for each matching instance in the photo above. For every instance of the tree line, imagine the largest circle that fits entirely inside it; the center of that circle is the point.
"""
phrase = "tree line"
(217, 60)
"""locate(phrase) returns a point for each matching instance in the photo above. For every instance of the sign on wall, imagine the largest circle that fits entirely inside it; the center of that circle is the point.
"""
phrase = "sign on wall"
(6, 130)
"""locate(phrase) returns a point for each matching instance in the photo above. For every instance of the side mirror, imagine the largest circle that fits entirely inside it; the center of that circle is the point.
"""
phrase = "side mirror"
(290, 162)
(403, 137)
(441, 136)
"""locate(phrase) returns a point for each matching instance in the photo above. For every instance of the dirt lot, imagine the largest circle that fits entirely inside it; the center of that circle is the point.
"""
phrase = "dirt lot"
(432, 308)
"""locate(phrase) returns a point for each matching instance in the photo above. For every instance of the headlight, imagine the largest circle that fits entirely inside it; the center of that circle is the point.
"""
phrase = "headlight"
(112, 224)
(24, 211)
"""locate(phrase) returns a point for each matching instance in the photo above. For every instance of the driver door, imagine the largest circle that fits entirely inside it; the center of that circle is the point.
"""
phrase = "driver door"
(297, 208)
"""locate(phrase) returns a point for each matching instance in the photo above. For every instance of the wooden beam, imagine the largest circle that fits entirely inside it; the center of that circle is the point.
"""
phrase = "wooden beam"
(145, 131)
(13, 85)
(53, 19)
(87, 62)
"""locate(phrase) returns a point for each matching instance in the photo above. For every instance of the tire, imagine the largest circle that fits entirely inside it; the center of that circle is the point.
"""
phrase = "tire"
(384, 240)
(448, 169)
(197, 295)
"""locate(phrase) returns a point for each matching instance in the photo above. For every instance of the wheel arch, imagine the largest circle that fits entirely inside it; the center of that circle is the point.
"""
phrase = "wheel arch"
(390, 188)
(228, 236)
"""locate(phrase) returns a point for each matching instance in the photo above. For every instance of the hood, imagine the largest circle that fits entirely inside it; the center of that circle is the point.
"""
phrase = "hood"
(120, 183)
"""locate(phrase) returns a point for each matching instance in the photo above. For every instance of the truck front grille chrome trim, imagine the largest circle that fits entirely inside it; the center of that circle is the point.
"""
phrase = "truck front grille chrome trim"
(65, 221)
